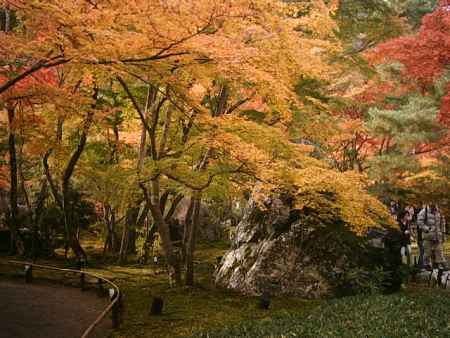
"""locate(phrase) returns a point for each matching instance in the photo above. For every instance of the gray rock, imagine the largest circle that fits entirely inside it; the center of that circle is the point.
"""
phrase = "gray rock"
(267, 255)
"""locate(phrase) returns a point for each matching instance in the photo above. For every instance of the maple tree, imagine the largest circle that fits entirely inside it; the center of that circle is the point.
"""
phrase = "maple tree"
(165, 101)
(17, 102)
(399, 121)
(424, 55)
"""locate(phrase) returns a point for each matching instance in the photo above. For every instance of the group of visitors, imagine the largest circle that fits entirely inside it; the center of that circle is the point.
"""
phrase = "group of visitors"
(427, 226)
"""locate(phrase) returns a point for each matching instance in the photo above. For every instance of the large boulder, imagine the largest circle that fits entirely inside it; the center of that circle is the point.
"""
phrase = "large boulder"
(278, 249)
(267, 258)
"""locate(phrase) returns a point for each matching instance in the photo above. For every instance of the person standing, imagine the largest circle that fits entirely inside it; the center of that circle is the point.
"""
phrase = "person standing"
(419, 238)
(410, 214)
(404, 222)
(433, 229)
(393, 209)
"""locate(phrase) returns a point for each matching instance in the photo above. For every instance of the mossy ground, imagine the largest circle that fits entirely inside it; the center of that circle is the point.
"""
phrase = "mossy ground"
(205, 308)
(419, 313)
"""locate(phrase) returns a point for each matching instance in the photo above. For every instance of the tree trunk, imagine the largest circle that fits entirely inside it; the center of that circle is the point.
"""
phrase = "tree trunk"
(149, 242)
(128, 243)
(29, 222)
(70, 230)
(190, 243)
(107, 242)
(129, 220)
(133, 219)
(109, 219)
(7, 12)
(124, 244)
(115, 149)
(173, 261)
(187, 227)
(49, 182)
(154, 200)
(67, 175)
(37, 223)
(13, 197)
(142, 147)
(131, 247)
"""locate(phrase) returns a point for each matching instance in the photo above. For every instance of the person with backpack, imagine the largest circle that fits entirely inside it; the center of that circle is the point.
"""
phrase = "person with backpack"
(432, 224)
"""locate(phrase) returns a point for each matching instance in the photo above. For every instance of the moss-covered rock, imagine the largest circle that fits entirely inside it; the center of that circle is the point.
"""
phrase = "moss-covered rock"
(281, 248)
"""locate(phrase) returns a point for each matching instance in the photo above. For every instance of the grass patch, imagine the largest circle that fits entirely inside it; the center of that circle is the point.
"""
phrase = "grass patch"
(422, 313)
(189, 310)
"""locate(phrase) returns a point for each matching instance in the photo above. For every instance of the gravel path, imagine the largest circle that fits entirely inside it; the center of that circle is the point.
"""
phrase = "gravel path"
(41, 310)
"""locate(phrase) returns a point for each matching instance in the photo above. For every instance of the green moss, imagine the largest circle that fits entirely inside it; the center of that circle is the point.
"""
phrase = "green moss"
(420, 314)
(189, 310)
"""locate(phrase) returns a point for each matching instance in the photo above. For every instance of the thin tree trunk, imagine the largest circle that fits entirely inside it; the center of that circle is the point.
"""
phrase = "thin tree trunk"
(131, 242)
(71, 236)
(30, 217)
(162, 226)
(49, 182)
(187, 227)
(37, 222)
(149, 241)
(154, 200)
(190, 244)
(123, 244)
(109, 237)
(129, 219)
(115, 149)
(130, 248)
(7, 18)
(142, 145)
(68, 219)
(23, 187)
(13, 196)
(112, 231)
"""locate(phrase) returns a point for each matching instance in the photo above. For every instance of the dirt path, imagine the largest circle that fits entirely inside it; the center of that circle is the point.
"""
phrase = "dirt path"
(41, 310)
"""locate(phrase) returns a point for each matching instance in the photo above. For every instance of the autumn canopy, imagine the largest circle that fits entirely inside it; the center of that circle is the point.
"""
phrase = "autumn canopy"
(116, 112)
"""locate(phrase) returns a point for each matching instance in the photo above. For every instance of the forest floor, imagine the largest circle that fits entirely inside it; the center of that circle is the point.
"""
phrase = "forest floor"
(205, 308)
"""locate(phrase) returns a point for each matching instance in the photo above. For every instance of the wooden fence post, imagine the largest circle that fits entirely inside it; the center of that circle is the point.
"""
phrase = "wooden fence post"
(28, 273)
(82, 281)
(101, 290)
(115, 313)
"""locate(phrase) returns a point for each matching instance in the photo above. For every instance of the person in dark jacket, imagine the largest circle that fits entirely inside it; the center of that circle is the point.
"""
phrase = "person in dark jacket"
(405, 227)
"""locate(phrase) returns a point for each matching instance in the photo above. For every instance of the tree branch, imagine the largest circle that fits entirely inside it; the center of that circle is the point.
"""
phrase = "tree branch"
(39, 65)
(135, 104)
(178, 198)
